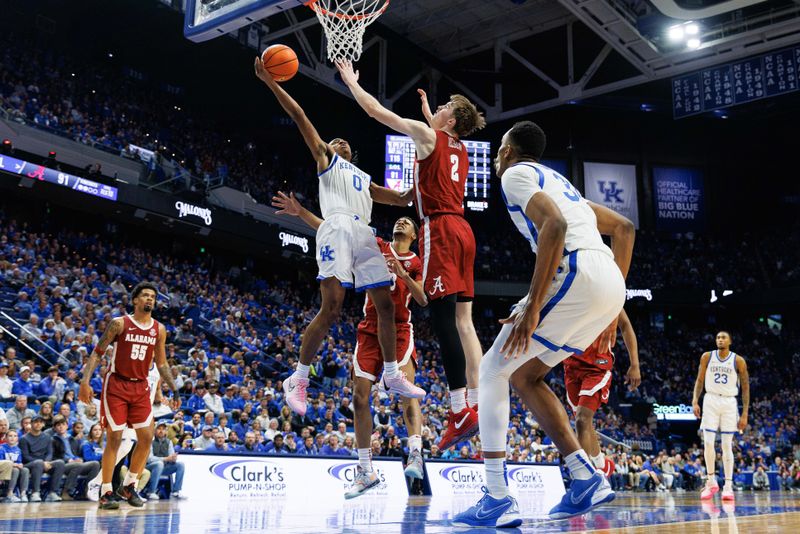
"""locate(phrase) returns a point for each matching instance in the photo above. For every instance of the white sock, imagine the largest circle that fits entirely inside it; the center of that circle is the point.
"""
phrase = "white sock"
(390, 369)
(365, 459)
(579, 465)
(301, 371)
(496, 477)
(457, 399)
(130, 478)
(414, 443)
(472, 397)
(599, 461)
(105, 488)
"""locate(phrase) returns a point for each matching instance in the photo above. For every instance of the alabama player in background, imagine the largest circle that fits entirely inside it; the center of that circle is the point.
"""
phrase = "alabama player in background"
(406, 271)
(587, 377)
(125, 398)
(446, 243)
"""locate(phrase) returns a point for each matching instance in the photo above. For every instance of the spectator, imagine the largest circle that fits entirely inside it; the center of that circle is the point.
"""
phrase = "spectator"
(195, 426)
(23, 385)
(212, 400)
(92, 448)
(31, 331)
(760, 479)
(19, 412)
(332, 447)
(196, 402)
(307, 447)
(46, 413)
(250, 446)
(164, 461)
(50, 385)
(6, 385)
(37, 455)
(20, 475)
(218, 445)
(74, 466)
(277, 446)
(90, 416)
(205, 440)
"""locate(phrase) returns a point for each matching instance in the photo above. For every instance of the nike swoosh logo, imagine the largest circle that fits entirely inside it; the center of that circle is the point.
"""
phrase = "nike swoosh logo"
(486, 513)
(585, 493)
(459, 423)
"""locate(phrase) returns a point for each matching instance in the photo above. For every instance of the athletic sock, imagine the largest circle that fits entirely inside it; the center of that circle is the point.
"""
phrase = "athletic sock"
(457, 400)
(599, 461)
(414, 443)
(472, 397)
(496, 477)
(579, 465)
(301, 371)
(130, 478)
(365, 459)
(105, 488)
(390, 369)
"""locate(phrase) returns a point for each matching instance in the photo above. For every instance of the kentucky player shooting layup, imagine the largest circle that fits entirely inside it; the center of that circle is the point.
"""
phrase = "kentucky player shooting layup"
(125, 399)
(447, 245)
(721, 371)
(367, 361)
(346, 253)
(576, 293)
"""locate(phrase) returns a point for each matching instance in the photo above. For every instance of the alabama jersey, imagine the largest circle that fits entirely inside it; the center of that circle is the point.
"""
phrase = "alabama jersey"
(344, 189)
(401, 295)
(523, 180)
(134, 349)
(440, 179)
(721, 376)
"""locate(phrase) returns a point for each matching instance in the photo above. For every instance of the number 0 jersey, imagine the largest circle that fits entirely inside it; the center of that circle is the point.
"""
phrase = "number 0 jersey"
(344, 189)
(721, 376)
(134, 349)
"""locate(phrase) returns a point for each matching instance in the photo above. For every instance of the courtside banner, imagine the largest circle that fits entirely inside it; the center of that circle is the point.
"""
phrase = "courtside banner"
(613, 185)
(679, 197)
(232, 477)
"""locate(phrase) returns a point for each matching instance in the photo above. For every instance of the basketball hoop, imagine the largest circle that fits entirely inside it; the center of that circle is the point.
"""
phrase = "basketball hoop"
(344, 22)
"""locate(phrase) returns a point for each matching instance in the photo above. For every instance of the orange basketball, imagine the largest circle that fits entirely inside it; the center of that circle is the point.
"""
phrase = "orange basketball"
(280, 61)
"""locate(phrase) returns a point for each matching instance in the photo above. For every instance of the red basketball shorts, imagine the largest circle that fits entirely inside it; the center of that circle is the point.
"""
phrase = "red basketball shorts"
(447, 248)
(125, 404)
(587, 386)
(368, 358)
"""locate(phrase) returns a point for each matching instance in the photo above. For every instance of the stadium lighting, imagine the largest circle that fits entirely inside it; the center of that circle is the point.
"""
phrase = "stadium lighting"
(691, 28)
(676, 33)
(693, 43)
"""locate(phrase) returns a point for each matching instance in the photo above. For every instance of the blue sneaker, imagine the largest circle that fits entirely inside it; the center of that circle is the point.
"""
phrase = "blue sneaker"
(583, 496)
(490, 512)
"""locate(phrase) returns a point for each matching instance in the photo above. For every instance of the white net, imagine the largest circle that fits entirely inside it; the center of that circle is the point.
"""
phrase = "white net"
(344, 22)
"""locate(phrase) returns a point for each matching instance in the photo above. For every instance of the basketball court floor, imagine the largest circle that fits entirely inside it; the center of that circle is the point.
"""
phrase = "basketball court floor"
(753, 513)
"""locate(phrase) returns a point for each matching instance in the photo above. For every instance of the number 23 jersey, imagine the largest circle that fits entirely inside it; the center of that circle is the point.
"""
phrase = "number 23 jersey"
(134, 349)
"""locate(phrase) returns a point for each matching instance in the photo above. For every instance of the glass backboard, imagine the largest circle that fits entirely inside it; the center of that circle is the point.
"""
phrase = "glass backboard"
(207, 19)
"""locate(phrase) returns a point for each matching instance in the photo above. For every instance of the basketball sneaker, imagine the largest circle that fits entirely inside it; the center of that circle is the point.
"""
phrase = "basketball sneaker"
(400, 385)
(296, 391)
(461, 426)
(414, 465)
(93, 491)
(727, 492)
(711, 488)
(129, 493)
(490, 512)
(364, 482)
(107, 501)
(583, 496)
(608, 468)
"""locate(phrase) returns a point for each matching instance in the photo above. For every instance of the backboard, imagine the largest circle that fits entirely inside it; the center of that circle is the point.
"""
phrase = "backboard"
(206, 19)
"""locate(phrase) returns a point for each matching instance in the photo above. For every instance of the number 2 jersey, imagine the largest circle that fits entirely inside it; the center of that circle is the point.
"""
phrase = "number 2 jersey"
(134, 349)
(523, 180)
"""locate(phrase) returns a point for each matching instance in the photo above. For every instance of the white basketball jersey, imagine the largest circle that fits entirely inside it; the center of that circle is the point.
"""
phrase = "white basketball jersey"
(153, 376)
(344, 189)
(523, 180)
(721, 376)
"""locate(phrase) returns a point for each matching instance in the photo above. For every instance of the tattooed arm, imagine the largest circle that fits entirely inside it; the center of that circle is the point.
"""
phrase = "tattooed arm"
(109, 336)
(163, 367)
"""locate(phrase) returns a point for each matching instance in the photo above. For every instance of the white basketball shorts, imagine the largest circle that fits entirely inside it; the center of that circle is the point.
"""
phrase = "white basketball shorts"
(720, 414)
(347, 250)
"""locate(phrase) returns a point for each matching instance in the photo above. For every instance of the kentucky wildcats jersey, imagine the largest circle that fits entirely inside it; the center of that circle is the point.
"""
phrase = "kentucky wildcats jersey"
(721, 376)
(522, 180)
(153, 376)
(344, 189)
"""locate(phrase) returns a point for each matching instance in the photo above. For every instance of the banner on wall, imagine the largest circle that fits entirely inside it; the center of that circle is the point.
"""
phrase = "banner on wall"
(613, 185)
(678, 194)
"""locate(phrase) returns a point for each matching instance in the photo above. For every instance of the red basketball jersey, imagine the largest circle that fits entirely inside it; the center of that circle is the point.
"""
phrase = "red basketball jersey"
(134, 349)
(400, 292)
(590, 358)
(440, 179)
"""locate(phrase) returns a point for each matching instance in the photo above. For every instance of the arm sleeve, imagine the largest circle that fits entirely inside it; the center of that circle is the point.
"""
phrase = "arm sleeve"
(519, 184)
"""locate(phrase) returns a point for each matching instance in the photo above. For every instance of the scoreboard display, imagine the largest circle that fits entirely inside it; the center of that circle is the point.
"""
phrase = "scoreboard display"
(399, 172)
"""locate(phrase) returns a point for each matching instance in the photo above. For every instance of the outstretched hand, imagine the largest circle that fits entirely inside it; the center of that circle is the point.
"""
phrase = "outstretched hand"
(262, 72)
(288, 205)
(426, 107)
(349, 76)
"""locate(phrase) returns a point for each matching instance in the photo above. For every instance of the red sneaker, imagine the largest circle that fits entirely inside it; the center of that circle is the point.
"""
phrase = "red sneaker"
(461, 427)
(608, 468)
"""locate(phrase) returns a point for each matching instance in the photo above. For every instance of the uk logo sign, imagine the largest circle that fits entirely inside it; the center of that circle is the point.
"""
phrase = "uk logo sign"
(611, 192)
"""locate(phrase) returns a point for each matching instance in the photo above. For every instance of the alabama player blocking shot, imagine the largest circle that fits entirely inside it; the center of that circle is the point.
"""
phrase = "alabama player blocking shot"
(446, 243)
(406, 270)
(125, 399)
(587, 377)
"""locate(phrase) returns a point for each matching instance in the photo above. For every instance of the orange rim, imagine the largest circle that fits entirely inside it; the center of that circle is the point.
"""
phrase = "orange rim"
(313, 5)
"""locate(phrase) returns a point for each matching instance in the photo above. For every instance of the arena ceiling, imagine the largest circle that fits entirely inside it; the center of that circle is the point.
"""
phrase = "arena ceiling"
(520, 56)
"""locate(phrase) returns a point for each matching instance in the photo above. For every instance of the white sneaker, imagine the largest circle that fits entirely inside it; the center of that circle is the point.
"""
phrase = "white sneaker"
(36, 497)
(363, 482)
(93, 491)
(153, 497)
(178, 495)
(52, 497)
(400, 385)
(414, 467)
(296, 393)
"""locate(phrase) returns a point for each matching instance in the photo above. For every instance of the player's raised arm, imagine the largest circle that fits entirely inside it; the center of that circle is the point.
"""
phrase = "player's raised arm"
(320, 150)
(160, 357)
(744, 380)
(622, 233)
(289, 205)
(426, 107)
(384, 195)
(112, 331)
(423, 135)
(699, 383)
(633, 377)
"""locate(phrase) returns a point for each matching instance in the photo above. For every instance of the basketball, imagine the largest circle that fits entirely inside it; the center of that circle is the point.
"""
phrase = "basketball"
(280, 61)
